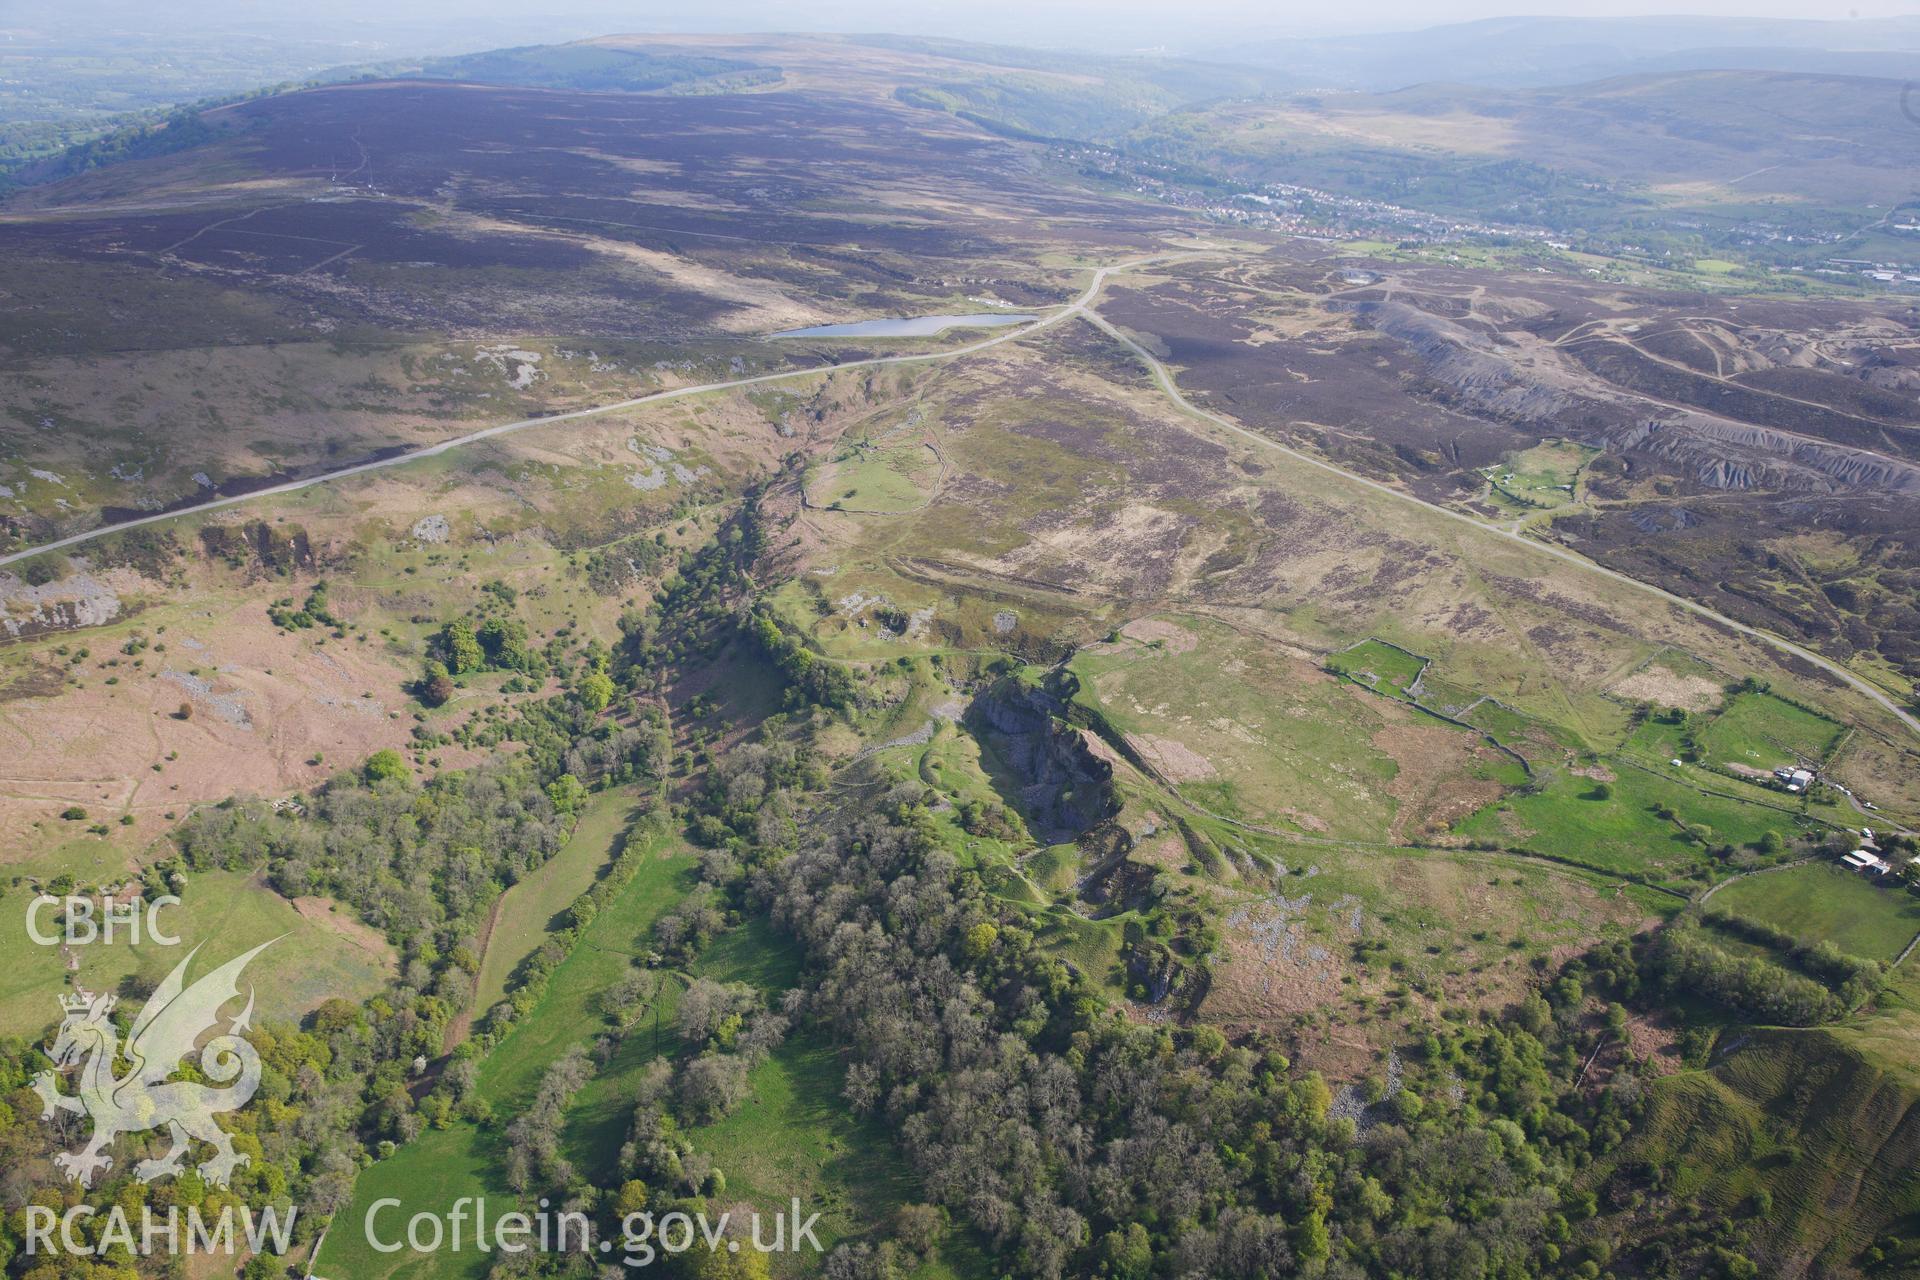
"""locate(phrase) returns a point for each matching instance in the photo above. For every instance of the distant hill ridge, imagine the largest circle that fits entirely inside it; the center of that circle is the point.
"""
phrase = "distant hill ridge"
(1523, 52)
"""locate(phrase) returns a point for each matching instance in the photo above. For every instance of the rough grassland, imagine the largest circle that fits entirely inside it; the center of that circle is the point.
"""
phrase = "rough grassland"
(1826, 1130)
(1278, 742)
(1356, 948)
(324, 952)
(281, 709)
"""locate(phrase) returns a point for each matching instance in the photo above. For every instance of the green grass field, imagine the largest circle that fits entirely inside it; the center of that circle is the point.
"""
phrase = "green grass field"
(323, 953)
(89, 860)
(1762, 731)
(794, 1139)
(1622, 833)
(1544, 477)
(1055, 867)
(1538, 741)
(867, 476)
(1824, 902)
(954, 762)
(530, 910)
(1654, 745)
(1379, 665)
(597, 1121)
(1092, 946)
(442, 1166)
(567, 1015)
(427, 1175)
(1655, 741)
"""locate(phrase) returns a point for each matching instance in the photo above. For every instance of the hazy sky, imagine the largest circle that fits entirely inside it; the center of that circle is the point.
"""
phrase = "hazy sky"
(1292, 15)
(382, 28)
(1174, 22)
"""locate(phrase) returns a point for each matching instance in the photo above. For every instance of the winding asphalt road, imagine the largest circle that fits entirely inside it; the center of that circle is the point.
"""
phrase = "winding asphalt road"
(1077, 307)
(1081, 306)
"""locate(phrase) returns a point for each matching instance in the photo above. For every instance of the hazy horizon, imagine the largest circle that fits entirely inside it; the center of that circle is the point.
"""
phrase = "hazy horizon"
(427, 26)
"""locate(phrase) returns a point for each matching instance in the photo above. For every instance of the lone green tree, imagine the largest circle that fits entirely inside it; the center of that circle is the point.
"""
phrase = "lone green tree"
(461, 648)
(386, 764)
(595, 690)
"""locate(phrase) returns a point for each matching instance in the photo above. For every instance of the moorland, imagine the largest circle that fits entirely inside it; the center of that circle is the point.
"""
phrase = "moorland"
(1266, 768)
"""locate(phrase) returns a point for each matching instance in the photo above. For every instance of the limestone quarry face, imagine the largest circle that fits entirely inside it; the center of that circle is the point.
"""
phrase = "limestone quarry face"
(1721, 454)
(1532, 386)
(79, 600)
(1462, 362)
(1067, 786)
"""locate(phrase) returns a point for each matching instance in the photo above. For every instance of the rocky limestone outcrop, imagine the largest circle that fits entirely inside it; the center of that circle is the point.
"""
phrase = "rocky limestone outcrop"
(1066, 789)
(72, 603)
(1718, 453)
(1469, 368)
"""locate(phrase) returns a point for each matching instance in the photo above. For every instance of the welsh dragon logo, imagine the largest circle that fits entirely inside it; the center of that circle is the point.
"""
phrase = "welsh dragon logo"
(163, 1035)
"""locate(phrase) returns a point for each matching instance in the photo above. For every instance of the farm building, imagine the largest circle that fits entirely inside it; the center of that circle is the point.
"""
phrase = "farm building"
(1861, 860)
(1794, 780)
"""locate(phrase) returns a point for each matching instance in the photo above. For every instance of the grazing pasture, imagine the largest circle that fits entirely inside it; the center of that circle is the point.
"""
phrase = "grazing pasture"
(534, 908)
(1760, 730)
(1825, 902)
